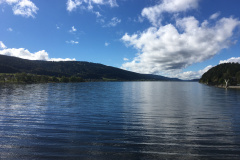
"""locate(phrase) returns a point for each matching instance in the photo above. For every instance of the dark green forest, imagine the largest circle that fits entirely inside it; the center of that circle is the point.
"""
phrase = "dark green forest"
(218, 74)
(68, 71)
(33, 78)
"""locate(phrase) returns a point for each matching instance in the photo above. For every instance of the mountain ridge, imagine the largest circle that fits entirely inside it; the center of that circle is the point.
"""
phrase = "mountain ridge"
(85, 70)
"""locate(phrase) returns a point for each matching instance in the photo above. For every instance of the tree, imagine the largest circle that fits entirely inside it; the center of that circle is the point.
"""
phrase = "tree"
(73, 79)
(64, 79)
(226, 77)
(44, 79)
(54, 79)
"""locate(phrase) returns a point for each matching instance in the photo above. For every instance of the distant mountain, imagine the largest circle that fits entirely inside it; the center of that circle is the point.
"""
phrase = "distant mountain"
(191, 80)
(218, 74)
(85, 70)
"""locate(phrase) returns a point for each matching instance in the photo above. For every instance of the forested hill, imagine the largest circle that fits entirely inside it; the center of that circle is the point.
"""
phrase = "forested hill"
(85, 70)
(218, 74)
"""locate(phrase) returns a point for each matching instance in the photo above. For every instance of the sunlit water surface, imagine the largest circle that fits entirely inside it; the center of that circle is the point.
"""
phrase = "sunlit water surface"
(119, 120)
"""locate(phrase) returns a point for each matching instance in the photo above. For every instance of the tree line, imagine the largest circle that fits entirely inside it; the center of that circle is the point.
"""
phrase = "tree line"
(33, 78)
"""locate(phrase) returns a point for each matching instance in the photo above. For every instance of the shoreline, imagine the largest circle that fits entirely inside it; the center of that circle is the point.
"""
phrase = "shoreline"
(231, 87)
(222, 86)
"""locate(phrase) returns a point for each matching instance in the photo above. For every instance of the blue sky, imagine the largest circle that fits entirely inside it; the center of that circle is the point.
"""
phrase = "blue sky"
(174, 38)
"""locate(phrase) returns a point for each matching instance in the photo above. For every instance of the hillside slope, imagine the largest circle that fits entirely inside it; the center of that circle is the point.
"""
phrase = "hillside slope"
(218, 74)
(85, 70)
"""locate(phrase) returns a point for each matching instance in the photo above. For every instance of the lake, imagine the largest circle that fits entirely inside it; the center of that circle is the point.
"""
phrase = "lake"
(119, 120)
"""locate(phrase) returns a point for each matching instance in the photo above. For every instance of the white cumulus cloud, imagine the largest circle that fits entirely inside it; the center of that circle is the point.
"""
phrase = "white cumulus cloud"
(189, 75)
(73, 4)
(170, 48)
(25, 8)
(26, 54)
(9, 1)
(231, 60)
(154, 13)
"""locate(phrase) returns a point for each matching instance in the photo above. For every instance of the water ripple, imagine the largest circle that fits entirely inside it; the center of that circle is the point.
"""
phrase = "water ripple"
(121, 120)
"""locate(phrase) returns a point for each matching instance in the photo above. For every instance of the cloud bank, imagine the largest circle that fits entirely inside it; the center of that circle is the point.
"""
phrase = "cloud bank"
(189, 75)
(26, 54)
(198, 74)
(25, 8)
(231, 60)
(168, 49)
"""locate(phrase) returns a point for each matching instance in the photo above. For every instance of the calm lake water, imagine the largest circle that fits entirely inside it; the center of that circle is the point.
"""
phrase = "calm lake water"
(119, 120)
